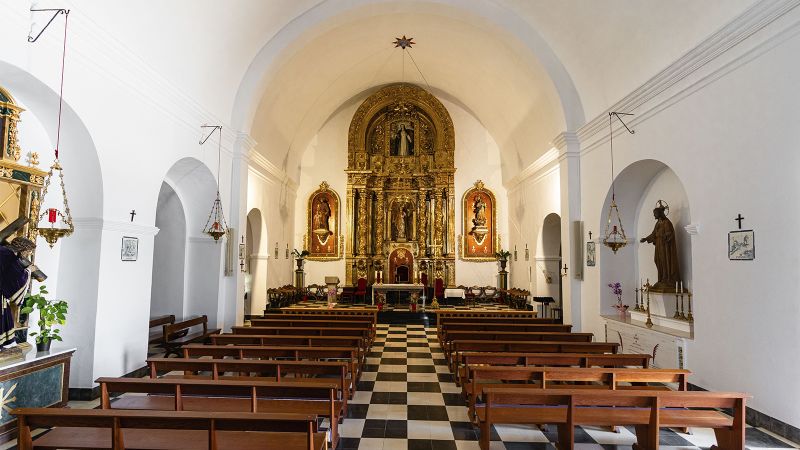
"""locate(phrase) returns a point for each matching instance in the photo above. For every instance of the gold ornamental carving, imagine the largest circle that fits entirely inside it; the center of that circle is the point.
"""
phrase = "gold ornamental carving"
(323, 238)
(479, 224)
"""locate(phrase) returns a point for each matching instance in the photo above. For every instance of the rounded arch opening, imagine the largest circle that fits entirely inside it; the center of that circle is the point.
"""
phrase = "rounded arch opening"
(256, 248)
(548, 259)
(638, 187)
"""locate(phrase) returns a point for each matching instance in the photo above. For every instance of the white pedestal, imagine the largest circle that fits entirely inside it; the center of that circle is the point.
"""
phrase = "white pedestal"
(332, 283)
(662, 308)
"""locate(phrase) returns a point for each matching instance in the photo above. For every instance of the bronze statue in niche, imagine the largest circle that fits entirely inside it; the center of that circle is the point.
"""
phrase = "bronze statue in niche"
(666, 250)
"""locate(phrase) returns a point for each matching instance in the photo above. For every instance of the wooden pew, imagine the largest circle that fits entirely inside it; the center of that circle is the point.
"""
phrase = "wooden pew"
(327, 313)
(481, 377)
(550, 359)
(290, 341)
(459, 347)
(157, 322)
(364, 333)
(451, 336)
(444, 320)
(266, 370)
(517, 327)
(170, 394)
(348, 354)
(176, 335)
(648, 411)
(350, 321)
(119, 429)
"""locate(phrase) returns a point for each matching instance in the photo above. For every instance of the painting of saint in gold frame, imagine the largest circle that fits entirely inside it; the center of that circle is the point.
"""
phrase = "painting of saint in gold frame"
(479, 227)
(323, 237)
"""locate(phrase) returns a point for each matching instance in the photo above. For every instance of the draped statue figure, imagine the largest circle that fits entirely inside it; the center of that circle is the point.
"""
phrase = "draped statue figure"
(666, 252)
(14, 279)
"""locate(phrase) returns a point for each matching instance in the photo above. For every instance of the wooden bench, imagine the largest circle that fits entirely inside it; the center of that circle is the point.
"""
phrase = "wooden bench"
(265, 370)
(550, 359)
(648, 411)
(502, 377)
(290, 341)
(350, 322)
(449, 337)
(364, 333)
(176, 335)
(327, 313)
(348, 354)
(170, 394)
(442, 321)
(459, 347)
(157, 322)
(484, 313)
(523, 327)
(120, 429)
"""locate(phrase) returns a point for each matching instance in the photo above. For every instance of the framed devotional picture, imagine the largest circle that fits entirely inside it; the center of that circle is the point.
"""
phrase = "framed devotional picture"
(741, 245)
(323, 240)
(591, 254)
(478, 224)
(130, 248)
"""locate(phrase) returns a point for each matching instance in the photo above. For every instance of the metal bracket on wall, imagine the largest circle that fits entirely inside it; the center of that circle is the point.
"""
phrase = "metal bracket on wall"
(55, 12)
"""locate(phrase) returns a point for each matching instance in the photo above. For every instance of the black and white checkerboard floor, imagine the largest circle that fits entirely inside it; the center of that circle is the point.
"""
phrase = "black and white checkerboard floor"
(407, 400)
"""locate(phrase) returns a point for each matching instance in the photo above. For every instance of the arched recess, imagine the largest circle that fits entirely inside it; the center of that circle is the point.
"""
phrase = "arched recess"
(75, 260)
(638, 187)
(256, 241)
(169, 255)
(548, 259)
(195, 188)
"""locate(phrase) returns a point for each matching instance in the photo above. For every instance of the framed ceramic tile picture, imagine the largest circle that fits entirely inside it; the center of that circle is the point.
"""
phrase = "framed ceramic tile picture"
(741, 245)
(591, 254)
(130, 248)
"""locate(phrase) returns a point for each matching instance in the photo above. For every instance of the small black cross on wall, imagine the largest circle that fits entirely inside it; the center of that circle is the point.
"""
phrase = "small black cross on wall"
(739, 219)
(133, 213)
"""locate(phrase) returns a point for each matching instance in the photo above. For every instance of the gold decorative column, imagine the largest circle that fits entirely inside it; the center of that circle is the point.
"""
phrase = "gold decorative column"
(380, 230)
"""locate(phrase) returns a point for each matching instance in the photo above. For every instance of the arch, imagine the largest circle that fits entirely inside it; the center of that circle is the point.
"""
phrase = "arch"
(548, 258)
(256, 279)
(637, 185)
(321, 18)
(167, 294)
(195, 187)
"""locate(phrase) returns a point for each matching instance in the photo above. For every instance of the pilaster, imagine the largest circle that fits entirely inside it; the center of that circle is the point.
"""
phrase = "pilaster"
(569, 164)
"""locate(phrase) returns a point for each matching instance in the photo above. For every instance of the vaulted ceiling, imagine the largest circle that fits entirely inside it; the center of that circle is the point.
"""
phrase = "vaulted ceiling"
(526, 69)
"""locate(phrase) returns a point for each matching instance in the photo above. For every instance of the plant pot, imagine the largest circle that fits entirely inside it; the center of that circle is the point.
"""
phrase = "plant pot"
(43, 346)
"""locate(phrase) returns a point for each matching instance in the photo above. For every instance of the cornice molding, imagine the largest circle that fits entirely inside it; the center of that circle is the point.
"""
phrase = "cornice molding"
(756, 18)
(271, 172)
(537, 169)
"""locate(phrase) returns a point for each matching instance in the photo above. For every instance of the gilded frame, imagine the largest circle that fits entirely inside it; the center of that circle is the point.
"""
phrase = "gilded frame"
(313, 239)
(489, 243)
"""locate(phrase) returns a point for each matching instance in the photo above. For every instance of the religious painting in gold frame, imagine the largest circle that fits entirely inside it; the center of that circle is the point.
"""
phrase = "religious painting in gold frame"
(479, 227)
(323, 240)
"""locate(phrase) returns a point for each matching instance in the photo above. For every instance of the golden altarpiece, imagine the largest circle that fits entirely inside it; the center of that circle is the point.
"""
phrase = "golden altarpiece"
(20, 184)
(400, 207)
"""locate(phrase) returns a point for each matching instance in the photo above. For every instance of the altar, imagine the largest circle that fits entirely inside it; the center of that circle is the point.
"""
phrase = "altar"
(398, 287)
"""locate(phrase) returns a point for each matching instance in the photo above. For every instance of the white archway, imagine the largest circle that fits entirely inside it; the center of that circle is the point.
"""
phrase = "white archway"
(548, 259)
(257, 250)
(169, 256)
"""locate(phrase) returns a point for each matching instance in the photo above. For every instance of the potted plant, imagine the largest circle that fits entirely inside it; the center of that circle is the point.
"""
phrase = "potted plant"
(412, 305)
(502, 256)
(616, 288)
(381, 300)
(300, 257)
(51, 314)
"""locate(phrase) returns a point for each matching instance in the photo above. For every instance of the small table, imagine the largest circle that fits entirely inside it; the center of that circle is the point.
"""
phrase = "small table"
(397, 287)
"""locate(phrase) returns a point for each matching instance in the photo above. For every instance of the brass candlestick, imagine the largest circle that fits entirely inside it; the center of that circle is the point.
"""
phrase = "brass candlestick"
(683, 316)
(677, 314)
(689, 317)
(636, 298)
(649, 322)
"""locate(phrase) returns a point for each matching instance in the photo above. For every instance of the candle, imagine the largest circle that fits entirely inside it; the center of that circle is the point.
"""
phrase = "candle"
(676, 286)
(681, 287)
(51, 215)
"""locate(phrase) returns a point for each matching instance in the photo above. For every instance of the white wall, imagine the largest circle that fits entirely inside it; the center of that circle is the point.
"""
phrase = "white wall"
(169, 258)
(476, 157)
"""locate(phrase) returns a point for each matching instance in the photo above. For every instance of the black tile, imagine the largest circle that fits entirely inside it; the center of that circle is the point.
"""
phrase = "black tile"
(419, 444)
(617, 447)
(427, 412)
(416, 386)
(463, 431)
(454, 399)
(374, 428)
(666, 437)
(445, 377)
(396, 339)
(357, 411)
(443, 445)
(394, 361)
(396, 331)
(421, 369)
(366, 385)
(757, 438)
(528, 446)
(440, 362)
(391, 376)
(380, 398)
(374, 354)
(349, 443)
(370, 368)
(495, 436)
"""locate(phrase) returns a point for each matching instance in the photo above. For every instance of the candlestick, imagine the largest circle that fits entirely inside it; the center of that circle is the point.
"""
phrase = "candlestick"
(677, 314)
(681, 287)
(683, 316)
(689, 317)
(649, 322)
(636, 298)
(676, 286)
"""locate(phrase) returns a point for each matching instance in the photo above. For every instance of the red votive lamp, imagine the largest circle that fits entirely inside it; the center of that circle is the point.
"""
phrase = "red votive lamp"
(51, 215)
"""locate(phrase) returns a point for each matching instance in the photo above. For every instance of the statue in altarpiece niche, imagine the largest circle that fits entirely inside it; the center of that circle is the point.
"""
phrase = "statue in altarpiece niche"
(479, 209)
(403, 140)
(322, 216)
(666, 251)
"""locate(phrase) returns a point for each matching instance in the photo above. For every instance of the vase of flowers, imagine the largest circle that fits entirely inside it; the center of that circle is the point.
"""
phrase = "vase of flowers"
(616, 288)
(413, 303)
(381, 300)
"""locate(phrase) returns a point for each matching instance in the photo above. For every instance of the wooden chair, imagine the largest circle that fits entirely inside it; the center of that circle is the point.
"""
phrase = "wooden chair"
(438, 289)
(361, 289)
(178, 334)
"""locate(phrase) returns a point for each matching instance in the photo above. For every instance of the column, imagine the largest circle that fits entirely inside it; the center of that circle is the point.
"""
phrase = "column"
(363, 198)
(569, 162)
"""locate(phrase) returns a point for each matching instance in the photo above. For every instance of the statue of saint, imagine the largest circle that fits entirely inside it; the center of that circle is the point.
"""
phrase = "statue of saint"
(322, 216)
(666, 254)
(479, 208)
(403, 140)
(14, 279)
(401, 223)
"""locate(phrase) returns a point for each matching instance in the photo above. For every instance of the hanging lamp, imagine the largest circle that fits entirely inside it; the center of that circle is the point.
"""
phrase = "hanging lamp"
(216, 226)
(614, 236)
(52, 233)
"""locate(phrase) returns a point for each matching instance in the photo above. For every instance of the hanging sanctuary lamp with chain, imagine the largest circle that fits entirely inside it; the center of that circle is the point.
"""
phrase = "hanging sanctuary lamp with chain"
(53, 233)
(216, 226)
(614, 236)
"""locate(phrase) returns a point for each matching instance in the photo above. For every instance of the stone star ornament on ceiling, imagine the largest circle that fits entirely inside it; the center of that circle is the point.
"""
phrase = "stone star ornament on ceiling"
(403, 42)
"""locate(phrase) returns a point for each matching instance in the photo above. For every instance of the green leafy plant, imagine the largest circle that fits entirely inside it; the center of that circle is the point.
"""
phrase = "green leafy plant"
(51, 314)
(502, 254)
(300, 255)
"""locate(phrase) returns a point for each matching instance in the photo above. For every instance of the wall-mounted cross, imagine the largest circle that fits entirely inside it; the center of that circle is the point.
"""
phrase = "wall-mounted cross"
(133, 214)
(739, 219)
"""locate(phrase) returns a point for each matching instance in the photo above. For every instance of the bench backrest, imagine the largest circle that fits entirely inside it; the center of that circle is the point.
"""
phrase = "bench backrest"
(275, 369)
(608, 378)
(534, 347)
(303, 331)
(499, 397)
(557, 359)
(268, 352)
(172, 328)
(451, 336)
(478, 326)
(441, 320)
(162, 320)
(118, 420)
(280, 340)
(349, 322)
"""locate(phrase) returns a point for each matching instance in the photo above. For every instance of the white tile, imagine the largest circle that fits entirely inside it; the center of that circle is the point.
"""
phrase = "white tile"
(374, 361)
(351, 428)
(457, 414)
(422, 377)
(425, 398)
(419, 429)
(520, 433)
(441, 369)
(601, 436)
(441, 430)
(370, 444)
(420, 362)
(449, 388)
(392, 368)
(394, 444)
(369, 376)
(390, 386)
(362, 397)
(388, 354)
(468, 445)
(418, 340)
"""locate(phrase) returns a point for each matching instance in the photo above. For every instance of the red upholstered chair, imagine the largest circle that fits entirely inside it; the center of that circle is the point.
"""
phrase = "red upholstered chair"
(438, 289)
(361, 289)
(424, 280)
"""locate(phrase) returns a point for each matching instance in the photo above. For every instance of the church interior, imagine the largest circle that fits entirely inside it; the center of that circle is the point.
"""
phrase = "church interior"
(383, 224)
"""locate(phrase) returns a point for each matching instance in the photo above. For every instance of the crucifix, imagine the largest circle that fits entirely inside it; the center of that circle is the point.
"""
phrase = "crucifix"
(590, 235)
(739, 219)
(132, 213)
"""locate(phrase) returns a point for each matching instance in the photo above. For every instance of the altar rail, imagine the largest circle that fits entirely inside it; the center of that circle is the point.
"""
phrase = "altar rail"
(442, 314)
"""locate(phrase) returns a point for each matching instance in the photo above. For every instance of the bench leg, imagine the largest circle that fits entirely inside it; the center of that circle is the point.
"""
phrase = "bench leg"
(566, 436)
(486, 435)
(646, 438)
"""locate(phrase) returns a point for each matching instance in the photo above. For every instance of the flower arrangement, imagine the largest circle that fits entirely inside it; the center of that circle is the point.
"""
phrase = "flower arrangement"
(616, 288)
(300, 254)
(502, 254)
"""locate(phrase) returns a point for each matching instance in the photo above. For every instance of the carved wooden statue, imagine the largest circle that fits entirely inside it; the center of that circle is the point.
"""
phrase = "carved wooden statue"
(666, 252)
